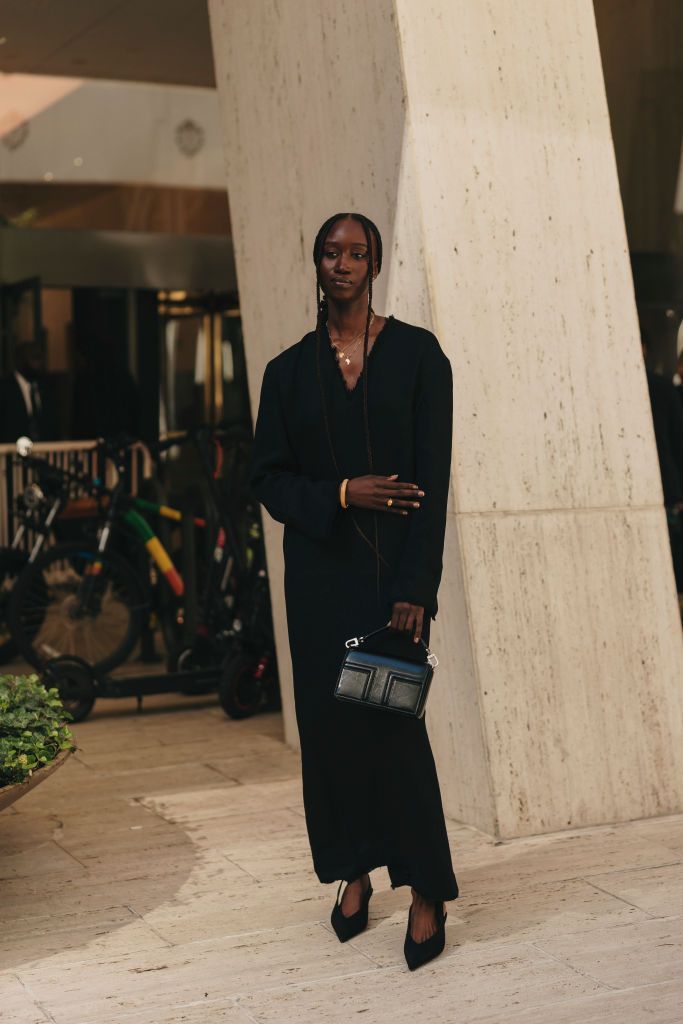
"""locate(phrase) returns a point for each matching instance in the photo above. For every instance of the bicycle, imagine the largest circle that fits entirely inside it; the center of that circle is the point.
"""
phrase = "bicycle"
(40, 509)
(84, 598)
(234, 625)
(79, 608)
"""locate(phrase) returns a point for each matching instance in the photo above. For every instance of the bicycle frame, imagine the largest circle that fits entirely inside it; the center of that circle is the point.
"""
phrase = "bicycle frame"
(156, 549)
(55, 504)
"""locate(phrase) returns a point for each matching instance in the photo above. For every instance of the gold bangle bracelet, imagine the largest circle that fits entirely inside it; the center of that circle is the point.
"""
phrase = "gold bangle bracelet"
(342, 493)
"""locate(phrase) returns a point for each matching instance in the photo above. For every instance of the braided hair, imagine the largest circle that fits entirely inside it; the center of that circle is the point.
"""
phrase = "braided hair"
(372, 235)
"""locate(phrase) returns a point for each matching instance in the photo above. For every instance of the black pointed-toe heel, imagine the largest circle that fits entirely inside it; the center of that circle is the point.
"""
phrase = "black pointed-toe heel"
(419, 953)
(346, 928)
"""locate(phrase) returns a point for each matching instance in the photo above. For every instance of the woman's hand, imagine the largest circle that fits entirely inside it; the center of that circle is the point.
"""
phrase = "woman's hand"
(374, 492)
(408, 617)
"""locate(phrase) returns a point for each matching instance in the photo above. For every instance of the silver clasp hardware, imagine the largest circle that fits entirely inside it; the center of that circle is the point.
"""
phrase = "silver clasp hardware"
(352, 642)
(432, 659)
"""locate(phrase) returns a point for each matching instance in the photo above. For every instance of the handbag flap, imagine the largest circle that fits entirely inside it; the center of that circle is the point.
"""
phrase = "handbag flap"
(381, 680)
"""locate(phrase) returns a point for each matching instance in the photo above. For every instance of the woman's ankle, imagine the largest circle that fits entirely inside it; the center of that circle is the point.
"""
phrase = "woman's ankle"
(421, 902)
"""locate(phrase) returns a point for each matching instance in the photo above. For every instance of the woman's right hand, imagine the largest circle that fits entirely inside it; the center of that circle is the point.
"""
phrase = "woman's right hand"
(374, 492)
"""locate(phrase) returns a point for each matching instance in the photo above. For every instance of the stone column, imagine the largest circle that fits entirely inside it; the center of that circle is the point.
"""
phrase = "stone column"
(477, 136)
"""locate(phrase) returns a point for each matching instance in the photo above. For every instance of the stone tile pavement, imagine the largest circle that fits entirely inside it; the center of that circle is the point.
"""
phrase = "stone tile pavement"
(163, 877)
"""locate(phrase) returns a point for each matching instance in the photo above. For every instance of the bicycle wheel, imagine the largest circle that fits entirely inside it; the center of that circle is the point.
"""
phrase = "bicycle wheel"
(75, 601)
(12, 561)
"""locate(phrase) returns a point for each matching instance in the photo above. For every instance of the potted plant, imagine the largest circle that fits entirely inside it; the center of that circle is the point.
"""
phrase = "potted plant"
(34, 737)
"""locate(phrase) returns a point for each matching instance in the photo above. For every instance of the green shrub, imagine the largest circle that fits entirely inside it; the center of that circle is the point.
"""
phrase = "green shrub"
(32, 727)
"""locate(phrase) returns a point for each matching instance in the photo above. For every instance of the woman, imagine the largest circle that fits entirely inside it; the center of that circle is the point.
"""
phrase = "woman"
(352, 453)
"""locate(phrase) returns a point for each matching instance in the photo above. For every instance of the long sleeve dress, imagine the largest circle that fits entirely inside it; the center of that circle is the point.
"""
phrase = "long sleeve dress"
(371, 792)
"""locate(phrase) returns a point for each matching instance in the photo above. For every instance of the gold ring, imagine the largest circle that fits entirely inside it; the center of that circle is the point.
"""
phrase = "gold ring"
(390, 502)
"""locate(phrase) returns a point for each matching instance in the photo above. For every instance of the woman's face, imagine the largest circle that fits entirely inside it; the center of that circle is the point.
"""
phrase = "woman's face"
(344, 263)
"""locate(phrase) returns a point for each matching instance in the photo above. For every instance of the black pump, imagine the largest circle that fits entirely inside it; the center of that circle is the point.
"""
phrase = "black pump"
(419, 953)
(346, 928)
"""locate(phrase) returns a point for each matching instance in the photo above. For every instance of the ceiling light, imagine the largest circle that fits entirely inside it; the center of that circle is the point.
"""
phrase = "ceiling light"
(78, 161)
(48, 176)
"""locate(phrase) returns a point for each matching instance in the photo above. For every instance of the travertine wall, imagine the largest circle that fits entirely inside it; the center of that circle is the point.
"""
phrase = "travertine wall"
(477, 136)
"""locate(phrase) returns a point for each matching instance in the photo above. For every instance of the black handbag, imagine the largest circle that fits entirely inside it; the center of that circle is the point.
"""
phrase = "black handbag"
(385, 681)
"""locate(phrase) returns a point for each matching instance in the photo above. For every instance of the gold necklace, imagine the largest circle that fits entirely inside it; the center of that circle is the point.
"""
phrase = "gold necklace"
(344, 354)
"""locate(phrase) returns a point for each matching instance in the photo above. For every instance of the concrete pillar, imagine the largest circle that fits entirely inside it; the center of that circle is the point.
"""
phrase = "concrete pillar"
(477, 136)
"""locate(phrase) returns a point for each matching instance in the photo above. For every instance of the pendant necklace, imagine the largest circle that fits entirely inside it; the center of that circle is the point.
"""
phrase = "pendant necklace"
(350, 344)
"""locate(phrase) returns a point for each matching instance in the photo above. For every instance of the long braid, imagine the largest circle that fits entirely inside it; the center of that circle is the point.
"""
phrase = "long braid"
(321, 319)
(366, 342)
(366, 417)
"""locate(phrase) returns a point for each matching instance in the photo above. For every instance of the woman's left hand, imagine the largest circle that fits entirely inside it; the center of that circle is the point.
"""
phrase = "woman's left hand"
(408, 617)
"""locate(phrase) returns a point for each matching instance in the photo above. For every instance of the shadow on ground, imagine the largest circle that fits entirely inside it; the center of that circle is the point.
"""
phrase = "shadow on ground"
(86, 854)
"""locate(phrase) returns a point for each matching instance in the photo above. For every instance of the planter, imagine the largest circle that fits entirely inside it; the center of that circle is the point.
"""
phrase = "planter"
(8, 794)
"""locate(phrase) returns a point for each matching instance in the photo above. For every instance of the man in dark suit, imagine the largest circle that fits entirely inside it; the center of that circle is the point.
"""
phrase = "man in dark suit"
(27, 401)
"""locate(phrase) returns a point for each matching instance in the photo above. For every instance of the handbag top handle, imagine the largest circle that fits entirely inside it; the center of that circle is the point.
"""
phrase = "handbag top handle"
(357, 641)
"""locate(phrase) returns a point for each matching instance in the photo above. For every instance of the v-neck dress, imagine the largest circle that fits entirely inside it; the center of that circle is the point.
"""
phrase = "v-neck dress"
(371, 792)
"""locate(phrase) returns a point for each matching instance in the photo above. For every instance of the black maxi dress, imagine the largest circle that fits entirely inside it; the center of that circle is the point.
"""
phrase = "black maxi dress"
(371, 792)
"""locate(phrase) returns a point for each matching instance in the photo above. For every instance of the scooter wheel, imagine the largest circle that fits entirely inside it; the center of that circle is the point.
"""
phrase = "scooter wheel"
(240, 692)
(73, 678)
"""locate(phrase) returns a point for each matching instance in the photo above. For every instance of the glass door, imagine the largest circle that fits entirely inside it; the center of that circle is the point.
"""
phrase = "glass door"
(203, 374)
(202, 379)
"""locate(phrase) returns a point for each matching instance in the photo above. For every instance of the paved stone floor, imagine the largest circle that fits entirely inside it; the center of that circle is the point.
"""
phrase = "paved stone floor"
(162, 876)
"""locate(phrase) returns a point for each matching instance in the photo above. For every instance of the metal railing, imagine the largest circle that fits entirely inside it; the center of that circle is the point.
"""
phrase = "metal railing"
(85, 456)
